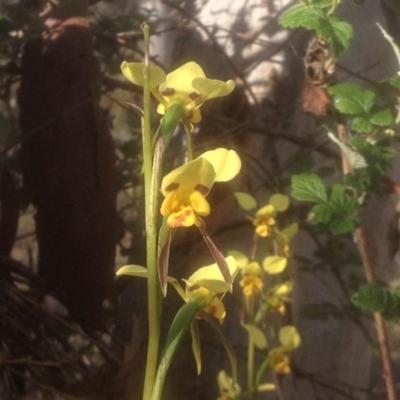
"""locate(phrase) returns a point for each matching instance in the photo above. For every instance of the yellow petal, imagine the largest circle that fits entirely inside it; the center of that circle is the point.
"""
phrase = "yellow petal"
(268, 210)
(274, 264)
(180, 80)
(252, 268)
(199, 204)
(280, 202)
(291, 230)
(226, 163)
(134, 73)
(211, 277)
(216, 309)
(134, 270)
(246, 201)
(289, 337)
(211, 88)
(240, 258)
(259, 339)
(198, 175)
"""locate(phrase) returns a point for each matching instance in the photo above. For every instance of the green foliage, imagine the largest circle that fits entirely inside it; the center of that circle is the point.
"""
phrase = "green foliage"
(378, 158)
(313, 17)
(351, 99)
(374, 298)
(335, 208)
(308, 187)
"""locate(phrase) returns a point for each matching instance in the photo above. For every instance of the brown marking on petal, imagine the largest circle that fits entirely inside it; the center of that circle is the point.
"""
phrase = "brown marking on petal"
(168, 92)
(179, 220)
(172, 187)
(194, 95)
(202, 189)
(189, 115)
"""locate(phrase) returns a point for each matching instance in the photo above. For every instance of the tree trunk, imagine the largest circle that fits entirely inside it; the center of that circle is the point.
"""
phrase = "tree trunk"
(68, 163)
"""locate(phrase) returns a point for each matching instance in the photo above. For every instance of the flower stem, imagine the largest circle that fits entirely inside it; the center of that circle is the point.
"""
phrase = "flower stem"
(151, 195)
(251, 348)
(189, 139)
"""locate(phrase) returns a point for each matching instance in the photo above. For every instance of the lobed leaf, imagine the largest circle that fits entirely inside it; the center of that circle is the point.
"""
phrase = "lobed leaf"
(308, 187)
(350, 98)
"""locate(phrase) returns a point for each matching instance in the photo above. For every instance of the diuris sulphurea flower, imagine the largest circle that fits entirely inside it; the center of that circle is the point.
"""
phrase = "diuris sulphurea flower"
(185, 190)
(187, 85)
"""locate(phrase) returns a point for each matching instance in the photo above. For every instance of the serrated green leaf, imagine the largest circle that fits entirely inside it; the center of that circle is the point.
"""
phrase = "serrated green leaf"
(308, 17)
(350, 98)
(308, 187)
(343, 224)
(382, 118)
(362, 124)
(371, 297)
(344, 208)
(320, 214)
(342, 33)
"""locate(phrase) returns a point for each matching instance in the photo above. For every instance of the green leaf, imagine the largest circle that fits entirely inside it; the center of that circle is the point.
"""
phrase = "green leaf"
(371, 297)
(350, 98)
(338, 33)
(362, 124)
(344, 208)
(395, 82)
(308, 187)
(320, 214)
(179, 326)
(382, 118)
(300, 15)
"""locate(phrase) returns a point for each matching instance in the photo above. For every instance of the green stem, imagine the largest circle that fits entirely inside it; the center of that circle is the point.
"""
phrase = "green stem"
(151, 195)
(332, 10)
(189, 138)
(251, 348)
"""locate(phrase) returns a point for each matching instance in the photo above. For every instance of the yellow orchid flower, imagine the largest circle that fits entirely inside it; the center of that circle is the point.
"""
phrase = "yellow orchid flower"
(186, 187)
(280, 362)
(186, 85)
(265, 217)
(185, 190)
(228, 389)
(252, 274)
(278, 295)
(207, 287)
(252, 282)
(290, 339)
